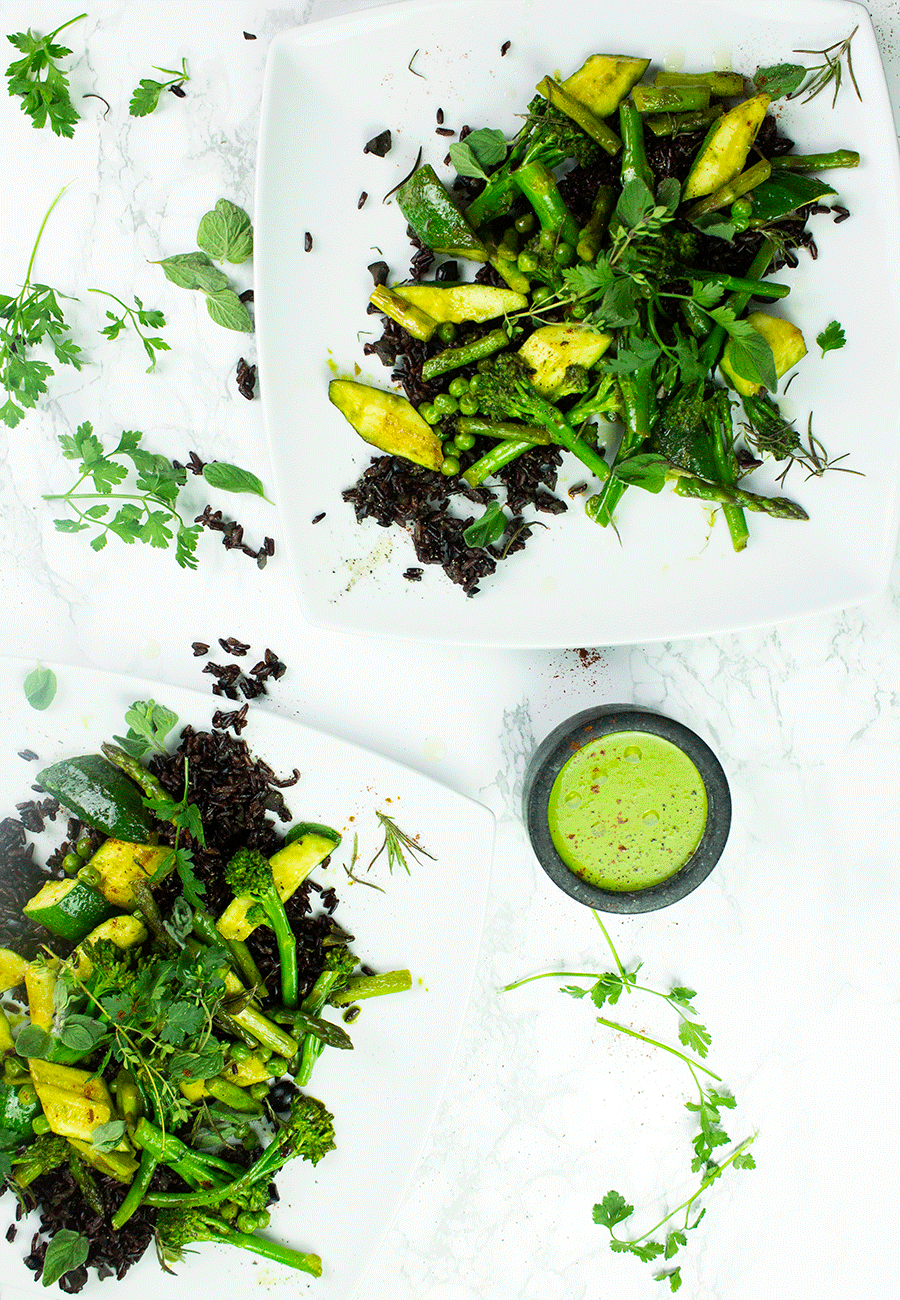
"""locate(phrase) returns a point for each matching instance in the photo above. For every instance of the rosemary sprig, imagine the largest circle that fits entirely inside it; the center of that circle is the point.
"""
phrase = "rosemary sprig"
(823, 74)
(358, 880)
(395, 842)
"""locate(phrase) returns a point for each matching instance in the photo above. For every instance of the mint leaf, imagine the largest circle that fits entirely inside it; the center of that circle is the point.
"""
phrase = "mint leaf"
(831, 338)
(40, 687)
(193, 271)
(488, 529)
(226, 233)
(635, 204)
(66, 1250)
(231, 478)
(227, 310)
(106, 1137)
(779, 80)
(481, 149)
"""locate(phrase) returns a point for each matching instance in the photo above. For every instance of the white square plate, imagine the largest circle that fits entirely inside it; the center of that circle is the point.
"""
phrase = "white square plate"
(330, 87)
(384, 1093)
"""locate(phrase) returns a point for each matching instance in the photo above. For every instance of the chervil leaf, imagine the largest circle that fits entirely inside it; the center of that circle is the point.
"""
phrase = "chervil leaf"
(673, 1242)
(639, 353)
(831, 338)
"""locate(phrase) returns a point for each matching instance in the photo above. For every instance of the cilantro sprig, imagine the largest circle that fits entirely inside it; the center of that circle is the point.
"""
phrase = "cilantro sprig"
(607, 988)
(44, 98)
(147, 512)
(31, 317)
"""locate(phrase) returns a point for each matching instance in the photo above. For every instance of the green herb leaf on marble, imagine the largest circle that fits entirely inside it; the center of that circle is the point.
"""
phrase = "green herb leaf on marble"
(40, 687)
(226, 233)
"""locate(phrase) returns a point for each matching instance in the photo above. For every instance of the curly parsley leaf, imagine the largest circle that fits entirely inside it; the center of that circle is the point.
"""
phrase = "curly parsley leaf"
(44, 98)
(146, 95)
(831, 338)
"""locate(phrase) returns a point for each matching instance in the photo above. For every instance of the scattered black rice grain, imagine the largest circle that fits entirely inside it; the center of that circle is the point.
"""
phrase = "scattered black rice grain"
(379, 145)
(246, 379)
(439, 116)
(177, 91)
(504, 48)
(199, 648)
(233, 535)
(444, 130)
(413, 574)
(232, 646)
(248, 36)
(317, 519)
(29, 755)
(362, 199)
(842, 213)
(246, 296)
(379, 272)
(307, 242)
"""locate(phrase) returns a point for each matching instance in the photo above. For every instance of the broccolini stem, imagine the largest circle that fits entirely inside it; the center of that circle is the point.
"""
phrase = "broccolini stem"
(637, 401)
(372, 986)
(273, 1250)
(501, 429)
(718, 419)
(241, 958)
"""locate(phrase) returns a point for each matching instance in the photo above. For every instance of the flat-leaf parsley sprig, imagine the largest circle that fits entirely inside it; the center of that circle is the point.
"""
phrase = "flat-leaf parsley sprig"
(146, 95)
(33, 316)
(147, 512)
(608, 987)
(45, 99)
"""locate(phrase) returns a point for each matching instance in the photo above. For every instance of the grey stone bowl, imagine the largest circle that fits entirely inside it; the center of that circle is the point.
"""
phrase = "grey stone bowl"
(557, 748)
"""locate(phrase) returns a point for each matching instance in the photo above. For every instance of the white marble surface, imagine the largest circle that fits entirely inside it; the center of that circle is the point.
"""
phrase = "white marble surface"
(792, 942)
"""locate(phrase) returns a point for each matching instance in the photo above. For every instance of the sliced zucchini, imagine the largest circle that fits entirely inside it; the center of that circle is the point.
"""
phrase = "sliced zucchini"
(551, 349)
(435, 218)
(119, 863)
(724, 151)
(387, 421)
(457, 303)
(100, 794)
(40, 982)
(603, 81)
(12, 969)
(74, 1101)
(69, 908)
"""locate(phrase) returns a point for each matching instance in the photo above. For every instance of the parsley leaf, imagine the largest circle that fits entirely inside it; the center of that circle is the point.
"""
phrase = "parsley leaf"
(612, 1209)
(45, 99)
(138, 315)
(34, 316)
(146, 96)
(831, 338)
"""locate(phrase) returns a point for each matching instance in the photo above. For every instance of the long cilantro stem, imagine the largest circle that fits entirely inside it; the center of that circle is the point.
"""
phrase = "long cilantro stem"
(612, 947)
(46, 214)
(686, 1205)
(633, 1033)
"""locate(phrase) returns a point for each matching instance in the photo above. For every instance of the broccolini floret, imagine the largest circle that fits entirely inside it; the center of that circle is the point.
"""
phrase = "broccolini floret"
(249, 875)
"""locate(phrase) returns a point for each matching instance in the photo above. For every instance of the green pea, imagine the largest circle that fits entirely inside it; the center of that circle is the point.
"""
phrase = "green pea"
(446, 331)
(541, 294)
(277, 1065)
(259, 1091)
(525, 223)
(90, 876)
(548, 239)
(428, 413)
(458, 386)
(450, 466)
(578, 311)
(228, 1210)
(464, 441)
(444, 404)
(741, 212)
(527, 262)
(240, 1052)
(71, 863)
(564, 254)
(246, 1222)
(468, 404)
(263, 1218)
(84, 848)
(40, 1125)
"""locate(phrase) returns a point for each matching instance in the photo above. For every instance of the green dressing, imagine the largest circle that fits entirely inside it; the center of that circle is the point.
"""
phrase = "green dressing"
(627, 810)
